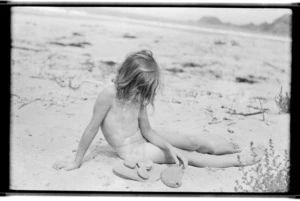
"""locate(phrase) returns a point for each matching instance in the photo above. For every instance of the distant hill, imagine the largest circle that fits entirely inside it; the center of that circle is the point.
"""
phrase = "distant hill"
(280, 26)
(210, 20)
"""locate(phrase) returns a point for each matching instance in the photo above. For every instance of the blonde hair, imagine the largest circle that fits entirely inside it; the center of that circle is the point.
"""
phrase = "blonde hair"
(138, 78)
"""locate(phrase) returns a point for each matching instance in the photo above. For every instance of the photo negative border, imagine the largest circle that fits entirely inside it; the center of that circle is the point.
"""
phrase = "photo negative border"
(5, 32)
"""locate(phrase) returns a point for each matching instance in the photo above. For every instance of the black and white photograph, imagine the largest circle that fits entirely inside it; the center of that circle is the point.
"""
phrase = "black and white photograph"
(150, 99)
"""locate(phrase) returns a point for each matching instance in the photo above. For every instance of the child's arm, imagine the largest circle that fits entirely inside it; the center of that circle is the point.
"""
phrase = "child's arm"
(101, 108)
(157, 140)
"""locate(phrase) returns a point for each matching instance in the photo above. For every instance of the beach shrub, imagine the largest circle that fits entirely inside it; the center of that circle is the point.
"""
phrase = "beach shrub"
(269, 175)
(283, 102)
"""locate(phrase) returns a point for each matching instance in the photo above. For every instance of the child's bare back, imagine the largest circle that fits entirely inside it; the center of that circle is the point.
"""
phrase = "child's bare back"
(124, 127)
(120, 125)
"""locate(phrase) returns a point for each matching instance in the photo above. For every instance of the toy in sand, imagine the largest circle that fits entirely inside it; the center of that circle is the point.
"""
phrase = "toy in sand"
(147, 171)
(144, 171)
(145, 164)
(172, 176)
(130, 163)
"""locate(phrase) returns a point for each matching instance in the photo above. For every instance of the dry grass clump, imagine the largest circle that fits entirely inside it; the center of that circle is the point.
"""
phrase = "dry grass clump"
(283, 102)
(269, 175)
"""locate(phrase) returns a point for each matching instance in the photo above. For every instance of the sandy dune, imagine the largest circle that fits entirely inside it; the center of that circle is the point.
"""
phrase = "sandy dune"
(59, 65)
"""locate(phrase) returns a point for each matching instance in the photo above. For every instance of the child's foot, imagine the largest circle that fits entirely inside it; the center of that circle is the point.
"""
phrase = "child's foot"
(218, 145)
(251, 157)
(226, 148)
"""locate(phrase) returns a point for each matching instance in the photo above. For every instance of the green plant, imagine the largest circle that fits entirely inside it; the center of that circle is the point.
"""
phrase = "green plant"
(283, 102)
(269, 175)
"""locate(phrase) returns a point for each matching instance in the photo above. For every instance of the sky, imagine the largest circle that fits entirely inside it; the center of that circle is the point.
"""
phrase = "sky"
(232, 15)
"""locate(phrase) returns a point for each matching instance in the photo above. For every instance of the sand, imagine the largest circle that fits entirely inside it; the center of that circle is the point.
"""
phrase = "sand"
(61, 64)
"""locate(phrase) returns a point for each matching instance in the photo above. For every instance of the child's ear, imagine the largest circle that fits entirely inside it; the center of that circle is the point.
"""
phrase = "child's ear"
(113, 80)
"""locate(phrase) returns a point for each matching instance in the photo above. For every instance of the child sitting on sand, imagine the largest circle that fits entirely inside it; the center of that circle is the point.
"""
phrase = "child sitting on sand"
(120, 111)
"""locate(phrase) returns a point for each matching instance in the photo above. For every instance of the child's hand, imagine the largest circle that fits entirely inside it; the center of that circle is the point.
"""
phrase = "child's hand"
(66, 165)
(177, 155)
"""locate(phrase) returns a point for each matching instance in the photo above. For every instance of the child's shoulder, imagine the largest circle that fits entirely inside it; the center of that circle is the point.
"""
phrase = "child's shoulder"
(107, 94)
(109, 91)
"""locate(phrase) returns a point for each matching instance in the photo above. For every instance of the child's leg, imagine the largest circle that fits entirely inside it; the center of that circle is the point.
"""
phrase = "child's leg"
(229, 160)
(203, 143)
(152, 152)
